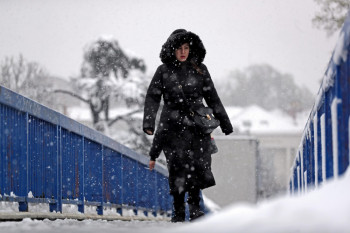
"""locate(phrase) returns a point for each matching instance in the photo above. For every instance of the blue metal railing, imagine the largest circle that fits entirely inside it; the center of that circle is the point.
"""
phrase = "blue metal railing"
(324, 149)
(46, 157)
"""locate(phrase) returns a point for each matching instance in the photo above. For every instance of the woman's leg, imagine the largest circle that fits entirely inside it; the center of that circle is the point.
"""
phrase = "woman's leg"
(179, 207)
(194, 203)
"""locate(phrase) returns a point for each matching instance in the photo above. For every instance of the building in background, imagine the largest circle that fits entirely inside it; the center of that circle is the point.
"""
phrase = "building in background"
(276, 156)
(255, 163)
(235, 171)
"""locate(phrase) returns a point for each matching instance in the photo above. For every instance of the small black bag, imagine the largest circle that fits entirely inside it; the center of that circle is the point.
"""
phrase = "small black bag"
(204, 120)
(213, 148)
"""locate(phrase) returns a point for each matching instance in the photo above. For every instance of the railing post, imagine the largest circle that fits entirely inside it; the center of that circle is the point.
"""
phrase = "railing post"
(136, 172)
(348, 140)
(315, 139)
(120, 209)
(23, 205)
(59, 169)
(335, 150)
(81, 162)
(299, 180)
(323, 146)
(57, 205)
(100, 208)
(156, 205)
(329, 142)
(312, 153)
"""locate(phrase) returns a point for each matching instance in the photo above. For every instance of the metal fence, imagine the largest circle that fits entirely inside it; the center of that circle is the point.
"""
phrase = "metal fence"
(324, 149)
(46, 157)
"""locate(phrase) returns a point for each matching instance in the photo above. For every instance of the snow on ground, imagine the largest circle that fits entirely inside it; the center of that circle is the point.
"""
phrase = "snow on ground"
(321, 211)
(324, 210)
(93, 226)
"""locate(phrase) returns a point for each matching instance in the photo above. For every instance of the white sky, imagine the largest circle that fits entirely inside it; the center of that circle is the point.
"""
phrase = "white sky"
(236, 33)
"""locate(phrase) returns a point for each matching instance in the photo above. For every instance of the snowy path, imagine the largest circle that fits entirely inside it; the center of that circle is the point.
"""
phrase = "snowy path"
(321, 211)
(96, 226)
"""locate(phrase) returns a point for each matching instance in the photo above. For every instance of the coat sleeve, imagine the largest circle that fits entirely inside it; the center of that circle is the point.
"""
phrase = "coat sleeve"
(152, 101)
(156, 147)
(212, 99)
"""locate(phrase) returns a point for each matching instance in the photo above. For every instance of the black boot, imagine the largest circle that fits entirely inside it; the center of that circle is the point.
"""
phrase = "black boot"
(179, 213)
(193, 204)
(179, 208)
(195, 212)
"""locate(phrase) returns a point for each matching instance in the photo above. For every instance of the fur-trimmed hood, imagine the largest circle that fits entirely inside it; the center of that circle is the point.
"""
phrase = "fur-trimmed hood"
(176, 39)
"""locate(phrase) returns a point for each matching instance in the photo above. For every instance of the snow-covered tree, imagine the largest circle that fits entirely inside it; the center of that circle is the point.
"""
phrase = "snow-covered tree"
(331, 15)
(26, 78)
(108, 74)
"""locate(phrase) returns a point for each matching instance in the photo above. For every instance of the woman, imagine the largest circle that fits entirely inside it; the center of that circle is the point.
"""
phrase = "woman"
(187, 150)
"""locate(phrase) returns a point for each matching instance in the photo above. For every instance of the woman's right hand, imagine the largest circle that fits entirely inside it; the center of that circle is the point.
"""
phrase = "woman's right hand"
(152, 164)
(149, 132)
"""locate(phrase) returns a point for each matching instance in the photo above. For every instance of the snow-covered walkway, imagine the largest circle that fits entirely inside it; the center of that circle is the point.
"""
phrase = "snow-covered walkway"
(95, 226)
(324, 210)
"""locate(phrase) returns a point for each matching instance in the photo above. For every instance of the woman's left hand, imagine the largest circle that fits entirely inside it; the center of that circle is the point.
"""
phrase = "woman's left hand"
(149, 132)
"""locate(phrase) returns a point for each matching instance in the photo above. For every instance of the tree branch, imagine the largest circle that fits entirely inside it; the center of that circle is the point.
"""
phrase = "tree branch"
(123, 116)
(72, 94)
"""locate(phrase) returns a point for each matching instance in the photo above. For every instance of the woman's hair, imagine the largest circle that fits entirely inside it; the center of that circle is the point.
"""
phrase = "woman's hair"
(196, 67)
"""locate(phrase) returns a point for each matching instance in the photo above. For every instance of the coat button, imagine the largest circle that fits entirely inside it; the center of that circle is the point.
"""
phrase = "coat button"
(180, 86)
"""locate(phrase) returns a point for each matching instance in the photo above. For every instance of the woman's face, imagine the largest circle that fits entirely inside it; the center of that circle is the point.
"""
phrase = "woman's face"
(182, 52)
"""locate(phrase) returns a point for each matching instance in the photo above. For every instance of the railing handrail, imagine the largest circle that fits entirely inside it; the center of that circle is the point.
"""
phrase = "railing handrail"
(24, 104)
(63, 161)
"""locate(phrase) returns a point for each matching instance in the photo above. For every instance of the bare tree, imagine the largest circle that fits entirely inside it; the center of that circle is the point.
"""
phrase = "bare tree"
(27, 78)
(332, 15)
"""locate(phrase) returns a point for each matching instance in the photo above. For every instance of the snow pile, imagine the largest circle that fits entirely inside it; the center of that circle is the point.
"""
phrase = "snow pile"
(6, 207)
(211, 205)
(323, 210)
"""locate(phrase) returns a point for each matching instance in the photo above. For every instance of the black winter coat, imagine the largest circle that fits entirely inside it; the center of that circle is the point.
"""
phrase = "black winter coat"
(187, 151)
